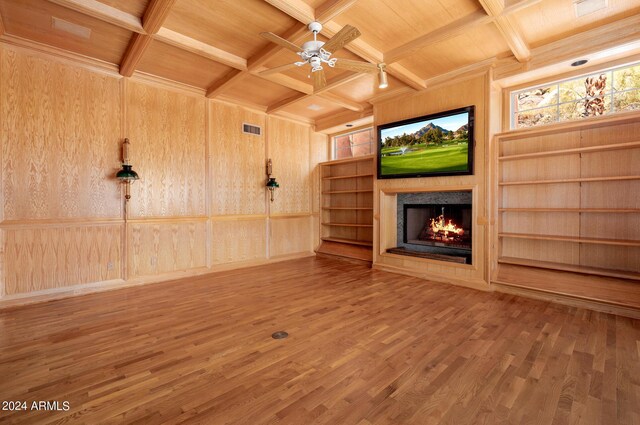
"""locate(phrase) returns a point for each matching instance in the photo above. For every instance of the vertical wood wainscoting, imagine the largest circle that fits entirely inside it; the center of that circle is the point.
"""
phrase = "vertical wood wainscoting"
(568, 209)
(200, 205)
(470, 91)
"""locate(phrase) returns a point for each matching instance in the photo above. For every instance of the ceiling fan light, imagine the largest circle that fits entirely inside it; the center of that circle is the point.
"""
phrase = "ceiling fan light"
(382, 78)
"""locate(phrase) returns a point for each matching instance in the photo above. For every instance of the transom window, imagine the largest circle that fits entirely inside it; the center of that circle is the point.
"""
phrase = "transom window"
(356, 143)
(600, 93)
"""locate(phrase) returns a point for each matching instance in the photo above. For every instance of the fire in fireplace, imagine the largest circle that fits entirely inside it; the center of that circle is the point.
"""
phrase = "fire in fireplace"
(440, 229)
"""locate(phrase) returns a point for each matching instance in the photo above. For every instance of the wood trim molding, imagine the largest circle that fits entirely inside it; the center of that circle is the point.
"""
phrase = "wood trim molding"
(56, 54)
(104, 12)
(199, 48)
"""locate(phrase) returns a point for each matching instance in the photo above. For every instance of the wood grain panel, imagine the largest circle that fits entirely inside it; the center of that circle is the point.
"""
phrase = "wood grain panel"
(239, 240)
(561, 223)
(289, 235)
(237, 161)
(532, 144)
(473, 91)
(554, 251)
(289, 145)
(611, 257)
(60, 140)
(157, 248)
(167, 134)
(36, 259)
(559, 167)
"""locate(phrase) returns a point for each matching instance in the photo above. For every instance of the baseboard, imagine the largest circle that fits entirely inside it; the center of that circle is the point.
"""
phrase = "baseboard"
(18, 300)
(569, 300)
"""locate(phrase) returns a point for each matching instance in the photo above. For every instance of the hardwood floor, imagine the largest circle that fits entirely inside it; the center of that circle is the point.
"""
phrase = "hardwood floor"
(364, 347)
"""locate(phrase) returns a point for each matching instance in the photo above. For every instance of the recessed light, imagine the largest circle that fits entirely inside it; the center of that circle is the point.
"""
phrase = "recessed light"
(580, 62)
(314, 107)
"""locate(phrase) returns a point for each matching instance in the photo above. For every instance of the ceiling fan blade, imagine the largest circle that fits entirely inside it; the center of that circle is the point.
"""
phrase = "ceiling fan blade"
(280, 41)
(346, 35)
(355, 65)
(278, 69)
(319, 80)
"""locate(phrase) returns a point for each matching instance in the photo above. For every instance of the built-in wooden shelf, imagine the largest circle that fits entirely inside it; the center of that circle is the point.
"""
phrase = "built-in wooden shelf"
(350, 208)
(575, 180)
(574, 210)
(570, 268)
(334, 192)
(347, 225)
(348, 241)
(587, 149)
(346, 211)
(598, 241)
(352, 176)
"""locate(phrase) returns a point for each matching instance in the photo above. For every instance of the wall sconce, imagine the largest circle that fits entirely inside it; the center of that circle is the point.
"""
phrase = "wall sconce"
(126, 175)
(382, 77)
(272, 184)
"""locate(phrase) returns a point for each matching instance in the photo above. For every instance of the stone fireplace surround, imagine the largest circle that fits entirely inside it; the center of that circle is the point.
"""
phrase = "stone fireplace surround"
(431, 198)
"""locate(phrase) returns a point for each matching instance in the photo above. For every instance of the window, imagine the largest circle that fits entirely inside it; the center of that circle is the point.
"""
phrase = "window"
(357, 143)
(601, 93)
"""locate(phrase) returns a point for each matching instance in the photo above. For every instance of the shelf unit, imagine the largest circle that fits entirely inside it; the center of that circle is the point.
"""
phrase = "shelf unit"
(568, 199)
(346, 223)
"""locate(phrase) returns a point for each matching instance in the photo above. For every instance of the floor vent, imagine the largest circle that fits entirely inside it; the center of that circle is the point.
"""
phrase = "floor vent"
(279, 335)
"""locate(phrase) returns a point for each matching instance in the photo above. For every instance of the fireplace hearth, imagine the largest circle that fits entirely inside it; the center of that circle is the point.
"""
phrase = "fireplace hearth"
(436, 225)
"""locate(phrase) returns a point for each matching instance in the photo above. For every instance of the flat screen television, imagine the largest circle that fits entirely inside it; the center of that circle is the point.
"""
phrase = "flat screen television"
(438, 144)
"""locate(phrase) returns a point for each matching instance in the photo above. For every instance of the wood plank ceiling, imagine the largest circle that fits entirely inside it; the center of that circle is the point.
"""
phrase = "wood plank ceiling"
(216, 47)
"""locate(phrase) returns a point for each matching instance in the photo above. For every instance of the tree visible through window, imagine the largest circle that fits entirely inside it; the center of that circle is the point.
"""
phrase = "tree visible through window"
(354, 144)
(591, 95)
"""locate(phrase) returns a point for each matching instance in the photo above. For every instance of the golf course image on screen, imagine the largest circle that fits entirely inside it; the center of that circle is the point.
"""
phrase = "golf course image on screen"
(438, 145)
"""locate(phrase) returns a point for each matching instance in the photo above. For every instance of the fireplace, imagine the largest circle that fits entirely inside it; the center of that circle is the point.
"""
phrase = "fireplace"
(435, 225)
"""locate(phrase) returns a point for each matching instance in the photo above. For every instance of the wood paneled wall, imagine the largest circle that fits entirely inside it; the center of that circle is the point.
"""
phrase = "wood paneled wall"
(200, 204)
(472, 91)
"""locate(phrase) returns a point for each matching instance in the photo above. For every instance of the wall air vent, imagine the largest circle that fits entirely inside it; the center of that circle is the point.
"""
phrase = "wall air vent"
(251, 129)
(585, 7)
(70, 28)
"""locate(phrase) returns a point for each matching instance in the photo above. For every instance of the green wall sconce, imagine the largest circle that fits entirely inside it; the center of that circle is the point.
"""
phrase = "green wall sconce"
(126, 175)
(272, 184)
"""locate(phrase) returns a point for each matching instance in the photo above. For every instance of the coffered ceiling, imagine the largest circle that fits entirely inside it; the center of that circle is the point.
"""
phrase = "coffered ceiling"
(215, 46)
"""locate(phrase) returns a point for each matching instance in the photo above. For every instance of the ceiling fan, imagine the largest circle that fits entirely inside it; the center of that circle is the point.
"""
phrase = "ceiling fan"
(318, 54)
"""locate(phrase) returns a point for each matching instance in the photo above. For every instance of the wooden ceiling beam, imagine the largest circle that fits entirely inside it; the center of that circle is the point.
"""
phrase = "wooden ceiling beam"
(292, 34)
(156, 13)
(333, 120)
(286, 102)
(515, 41)
(297, 9)
(454, 29)
(339, 81)
(332, 8)
(341, 101)
(104, 13)
(451, 30)
(609, 36)
(231, 78)
(202, 49)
